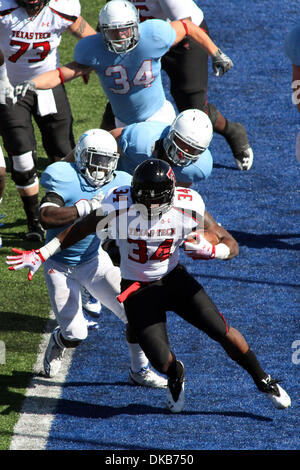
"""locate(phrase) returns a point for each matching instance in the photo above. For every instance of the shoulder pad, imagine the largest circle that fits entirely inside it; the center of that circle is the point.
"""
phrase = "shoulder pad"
(70, 9)
(7, 6)
(58, 173)
(189, 200)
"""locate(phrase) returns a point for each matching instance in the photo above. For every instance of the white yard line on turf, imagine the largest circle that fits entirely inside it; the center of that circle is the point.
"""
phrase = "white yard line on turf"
(33, 427)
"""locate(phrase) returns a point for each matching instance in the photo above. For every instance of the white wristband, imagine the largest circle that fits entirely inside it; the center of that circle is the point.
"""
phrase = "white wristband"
(222, 251)
(83, 207)
(51, 248)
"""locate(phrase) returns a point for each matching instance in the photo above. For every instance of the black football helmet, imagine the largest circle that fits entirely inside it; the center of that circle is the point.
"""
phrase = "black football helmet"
(153, 185)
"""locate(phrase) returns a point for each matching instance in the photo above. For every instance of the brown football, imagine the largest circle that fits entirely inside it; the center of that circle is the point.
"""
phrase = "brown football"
(211, 237)
(208, 235)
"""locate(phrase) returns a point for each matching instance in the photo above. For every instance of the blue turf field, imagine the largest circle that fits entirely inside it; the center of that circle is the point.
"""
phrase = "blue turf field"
(258, 292)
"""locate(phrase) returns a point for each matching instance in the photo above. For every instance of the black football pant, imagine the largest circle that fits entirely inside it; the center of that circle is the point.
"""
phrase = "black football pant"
(179, 292)
(187, 67)
(17, 129)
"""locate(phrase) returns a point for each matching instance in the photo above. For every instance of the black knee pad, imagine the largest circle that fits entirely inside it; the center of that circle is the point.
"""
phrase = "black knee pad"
(24, 179)
(212, 113)
(27, 177)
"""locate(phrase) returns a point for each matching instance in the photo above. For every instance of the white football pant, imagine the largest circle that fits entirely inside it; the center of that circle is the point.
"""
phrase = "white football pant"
(99, 276)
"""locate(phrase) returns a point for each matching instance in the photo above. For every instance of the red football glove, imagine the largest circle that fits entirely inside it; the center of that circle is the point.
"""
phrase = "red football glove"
(25, 259)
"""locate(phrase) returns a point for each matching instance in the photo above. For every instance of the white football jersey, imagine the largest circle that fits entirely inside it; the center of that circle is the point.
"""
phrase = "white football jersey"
(169, 10)
(30, 45)
(149, 249)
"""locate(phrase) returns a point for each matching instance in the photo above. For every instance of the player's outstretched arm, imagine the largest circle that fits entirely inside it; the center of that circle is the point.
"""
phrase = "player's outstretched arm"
(80, 29)
(33, 259)
(52, 78)
(53, 216)
(221, 63)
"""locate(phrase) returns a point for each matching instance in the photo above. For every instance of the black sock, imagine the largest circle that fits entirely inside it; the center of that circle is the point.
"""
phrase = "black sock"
(250, 363)
(227, 129)
(31, 207)
(175, 369)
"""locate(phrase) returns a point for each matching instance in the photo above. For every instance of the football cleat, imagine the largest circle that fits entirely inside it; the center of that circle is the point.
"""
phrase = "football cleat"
(91, 321)
(275, 393)
(35, 232)
(244, 159)
(91, 305)
(238, 141)
(147, 378)
(53, 355)
(175, 392)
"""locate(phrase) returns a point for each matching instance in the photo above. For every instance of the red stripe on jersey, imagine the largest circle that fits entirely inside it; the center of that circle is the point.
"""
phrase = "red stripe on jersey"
(64, 16)
(187, 213)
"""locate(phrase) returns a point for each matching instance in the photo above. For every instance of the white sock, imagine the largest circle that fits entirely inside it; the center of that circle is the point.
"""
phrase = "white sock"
(138, 359)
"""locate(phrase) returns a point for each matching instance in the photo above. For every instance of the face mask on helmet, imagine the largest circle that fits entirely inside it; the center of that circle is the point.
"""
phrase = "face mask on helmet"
(153, 186)
(118, 23)
(32, 5)
(96, 156)
(188, 137)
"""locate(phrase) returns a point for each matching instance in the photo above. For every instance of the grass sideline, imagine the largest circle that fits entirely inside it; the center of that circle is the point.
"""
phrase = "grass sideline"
(24, 307)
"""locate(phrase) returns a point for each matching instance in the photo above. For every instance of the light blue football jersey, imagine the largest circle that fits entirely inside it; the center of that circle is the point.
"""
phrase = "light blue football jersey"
(292, 45)
(63, 179)
(137, 144)
(131, 81)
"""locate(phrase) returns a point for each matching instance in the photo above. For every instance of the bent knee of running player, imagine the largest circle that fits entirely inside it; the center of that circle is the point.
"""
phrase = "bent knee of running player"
(201, 312)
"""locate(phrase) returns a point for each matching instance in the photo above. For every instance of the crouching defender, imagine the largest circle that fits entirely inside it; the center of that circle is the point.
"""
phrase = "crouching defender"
(153, 280)
(73, 190)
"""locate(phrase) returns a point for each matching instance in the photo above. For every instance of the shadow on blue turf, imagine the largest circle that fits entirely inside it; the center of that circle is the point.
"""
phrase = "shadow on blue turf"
(266, 240)
(81, 409)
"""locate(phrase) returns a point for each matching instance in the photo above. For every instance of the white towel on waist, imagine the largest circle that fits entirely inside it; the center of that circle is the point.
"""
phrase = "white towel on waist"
(46, 102)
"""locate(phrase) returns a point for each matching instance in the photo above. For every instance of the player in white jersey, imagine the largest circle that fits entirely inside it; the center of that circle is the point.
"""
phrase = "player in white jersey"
(150, 224)
(2, 175)
(187, 67)
(127, 59)
(292, 50)
(72, 191)
(2, 98)
(30, 34)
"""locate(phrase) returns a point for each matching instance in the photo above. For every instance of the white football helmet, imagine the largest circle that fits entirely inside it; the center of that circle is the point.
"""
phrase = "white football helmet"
(189, 135)
(96, 156)
(118, 23)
